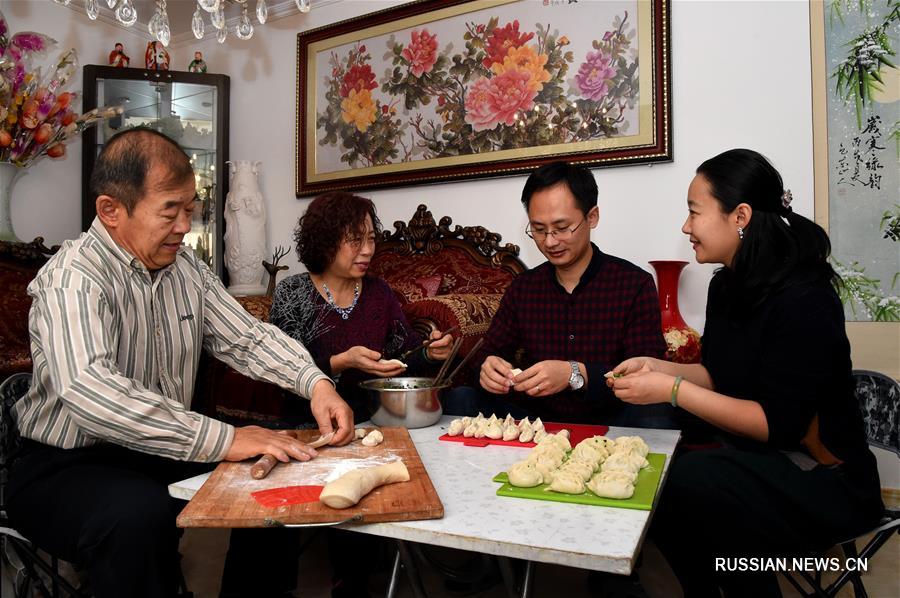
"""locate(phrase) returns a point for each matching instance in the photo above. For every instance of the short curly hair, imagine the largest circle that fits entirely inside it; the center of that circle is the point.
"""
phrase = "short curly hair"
(329, 220)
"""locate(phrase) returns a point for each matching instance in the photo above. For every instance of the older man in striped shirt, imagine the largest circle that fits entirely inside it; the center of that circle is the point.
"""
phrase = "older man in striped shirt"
(118, 321)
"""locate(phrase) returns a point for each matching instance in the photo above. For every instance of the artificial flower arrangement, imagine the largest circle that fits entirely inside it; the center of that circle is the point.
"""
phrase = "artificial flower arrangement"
(36, 116)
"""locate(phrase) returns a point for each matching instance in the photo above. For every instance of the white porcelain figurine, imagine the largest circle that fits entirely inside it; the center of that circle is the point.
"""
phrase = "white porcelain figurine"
(245, 230)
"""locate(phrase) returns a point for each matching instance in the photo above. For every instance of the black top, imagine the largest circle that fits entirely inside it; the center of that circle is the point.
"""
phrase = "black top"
(791, 355)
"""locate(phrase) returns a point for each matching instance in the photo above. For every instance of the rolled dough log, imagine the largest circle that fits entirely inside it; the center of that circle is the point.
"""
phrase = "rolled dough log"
(349, 489)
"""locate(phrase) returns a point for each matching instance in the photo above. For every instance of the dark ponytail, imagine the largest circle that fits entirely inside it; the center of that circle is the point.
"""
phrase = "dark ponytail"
(779, 248)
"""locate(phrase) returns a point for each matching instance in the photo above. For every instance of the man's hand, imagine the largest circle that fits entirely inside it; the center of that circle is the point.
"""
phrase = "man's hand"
(329, 408)
(496, 375)
(544, 378)
(252, 441)
(366, 360)
(440, 349)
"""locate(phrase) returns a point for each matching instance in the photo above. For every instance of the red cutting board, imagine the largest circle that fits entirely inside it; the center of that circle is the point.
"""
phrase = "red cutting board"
(578, 432)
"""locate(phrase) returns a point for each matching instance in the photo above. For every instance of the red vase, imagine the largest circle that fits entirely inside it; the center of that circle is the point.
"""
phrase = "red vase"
(683, 342)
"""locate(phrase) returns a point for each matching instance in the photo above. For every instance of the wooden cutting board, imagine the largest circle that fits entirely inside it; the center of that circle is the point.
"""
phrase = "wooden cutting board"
(225, 499)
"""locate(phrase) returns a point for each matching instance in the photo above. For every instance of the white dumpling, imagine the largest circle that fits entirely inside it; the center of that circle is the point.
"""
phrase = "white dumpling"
(565, 433)
(494, 431)
(635, 444)
(456, 427)
(587, 452)
(610, 487)
(466, 421)
(538, 424)
(578, 467)
(524, 475)
(524, 422)
(470, 430)
(540, 434)
(560, 440)
(481, 428)
(594, 465)
(511, 432)
(492, 419)
(509, 421)
(629, 462)
(526, 434)
(567, 483)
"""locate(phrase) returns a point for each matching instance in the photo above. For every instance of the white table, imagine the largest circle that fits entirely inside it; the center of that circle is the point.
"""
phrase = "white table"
(476, 519)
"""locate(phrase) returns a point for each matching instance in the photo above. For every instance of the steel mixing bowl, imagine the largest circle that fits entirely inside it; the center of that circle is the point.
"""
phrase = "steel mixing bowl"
(404, 401)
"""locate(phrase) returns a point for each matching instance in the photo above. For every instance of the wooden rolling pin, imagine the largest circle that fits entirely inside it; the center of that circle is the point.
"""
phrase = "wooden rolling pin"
(267, 462)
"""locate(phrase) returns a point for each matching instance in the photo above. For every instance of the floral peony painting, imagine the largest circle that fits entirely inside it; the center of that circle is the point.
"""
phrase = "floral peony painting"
(480, 88)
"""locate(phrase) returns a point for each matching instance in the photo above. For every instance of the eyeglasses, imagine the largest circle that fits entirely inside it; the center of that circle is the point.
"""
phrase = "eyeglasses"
(560, 234)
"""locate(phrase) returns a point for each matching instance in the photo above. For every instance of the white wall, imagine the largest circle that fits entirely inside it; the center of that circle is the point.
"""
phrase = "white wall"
(740, 78)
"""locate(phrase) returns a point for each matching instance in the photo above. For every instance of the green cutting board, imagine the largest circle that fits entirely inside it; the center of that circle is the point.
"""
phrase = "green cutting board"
(644, 490)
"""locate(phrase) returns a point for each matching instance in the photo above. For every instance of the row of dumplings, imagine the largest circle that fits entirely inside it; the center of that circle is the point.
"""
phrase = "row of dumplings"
(607, 467)
(499, 429)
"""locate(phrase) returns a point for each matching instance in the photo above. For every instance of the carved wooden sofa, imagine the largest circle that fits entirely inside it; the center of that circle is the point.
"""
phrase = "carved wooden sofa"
(443, 275)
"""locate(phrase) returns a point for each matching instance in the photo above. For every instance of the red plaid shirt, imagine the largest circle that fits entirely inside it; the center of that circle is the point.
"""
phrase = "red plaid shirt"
(612, 314)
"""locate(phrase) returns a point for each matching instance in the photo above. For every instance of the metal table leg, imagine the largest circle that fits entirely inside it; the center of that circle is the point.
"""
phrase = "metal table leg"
(412, 570)
(513, 588)
(395, 577)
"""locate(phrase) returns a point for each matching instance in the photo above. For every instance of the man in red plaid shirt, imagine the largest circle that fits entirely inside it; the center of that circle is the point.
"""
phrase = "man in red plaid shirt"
(571, 319)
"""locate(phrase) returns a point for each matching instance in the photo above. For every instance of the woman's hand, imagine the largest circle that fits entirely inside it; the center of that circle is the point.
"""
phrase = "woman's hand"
(366, 360)
(633, 365)
(643, 387)
(439, 349)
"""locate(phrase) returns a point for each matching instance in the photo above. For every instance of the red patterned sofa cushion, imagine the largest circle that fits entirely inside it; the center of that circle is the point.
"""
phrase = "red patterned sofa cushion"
(458, 272)
(472, 313)
(15, 346)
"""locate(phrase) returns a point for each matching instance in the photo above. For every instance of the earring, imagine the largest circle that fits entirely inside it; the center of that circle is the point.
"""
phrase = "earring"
(741, 232)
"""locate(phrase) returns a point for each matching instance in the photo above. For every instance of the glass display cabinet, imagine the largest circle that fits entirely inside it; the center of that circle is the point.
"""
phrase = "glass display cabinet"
(190, 108)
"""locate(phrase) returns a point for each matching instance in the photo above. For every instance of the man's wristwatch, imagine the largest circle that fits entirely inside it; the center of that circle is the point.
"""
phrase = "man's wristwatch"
(576, 380)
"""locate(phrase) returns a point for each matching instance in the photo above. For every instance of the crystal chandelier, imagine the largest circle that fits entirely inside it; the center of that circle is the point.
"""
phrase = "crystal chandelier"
(158, 25)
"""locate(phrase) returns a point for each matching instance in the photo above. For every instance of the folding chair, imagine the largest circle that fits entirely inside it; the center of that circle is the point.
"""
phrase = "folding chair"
(36, 570)
(879, 401)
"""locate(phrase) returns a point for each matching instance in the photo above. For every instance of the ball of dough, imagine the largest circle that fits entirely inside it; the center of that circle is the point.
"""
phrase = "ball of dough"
(359, 433)
(373, 438)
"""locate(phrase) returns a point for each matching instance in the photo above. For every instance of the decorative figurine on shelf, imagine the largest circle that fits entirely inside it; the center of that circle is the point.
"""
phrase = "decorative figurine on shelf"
(197, 65)
(118, 58)
(156, 57)
(245, 230)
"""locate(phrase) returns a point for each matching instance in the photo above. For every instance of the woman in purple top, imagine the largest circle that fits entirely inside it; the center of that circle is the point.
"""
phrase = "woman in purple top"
(348, 321)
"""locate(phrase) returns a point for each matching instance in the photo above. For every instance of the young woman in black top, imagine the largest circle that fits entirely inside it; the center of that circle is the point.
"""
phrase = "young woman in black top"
(795, 473)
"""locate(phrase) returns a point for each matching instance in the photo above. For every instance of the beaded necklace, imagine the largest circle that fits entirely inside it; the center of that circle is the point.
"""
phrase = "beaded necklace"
(343, 311)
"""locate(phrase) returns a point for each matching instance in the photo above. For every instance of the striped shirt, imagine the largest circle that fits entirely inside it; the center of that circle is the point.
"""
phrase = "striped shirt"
(116, 347)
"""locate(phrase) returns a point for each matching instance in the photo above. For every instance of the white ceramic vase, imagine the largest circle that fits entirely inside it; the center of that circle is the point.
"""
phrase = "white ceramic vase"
(245, 230)
(8, 175)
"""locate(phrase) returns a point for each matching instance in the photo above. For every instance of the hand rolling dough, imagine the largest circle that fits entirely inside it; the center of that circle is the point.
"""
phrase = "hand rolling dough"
(348, 489)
